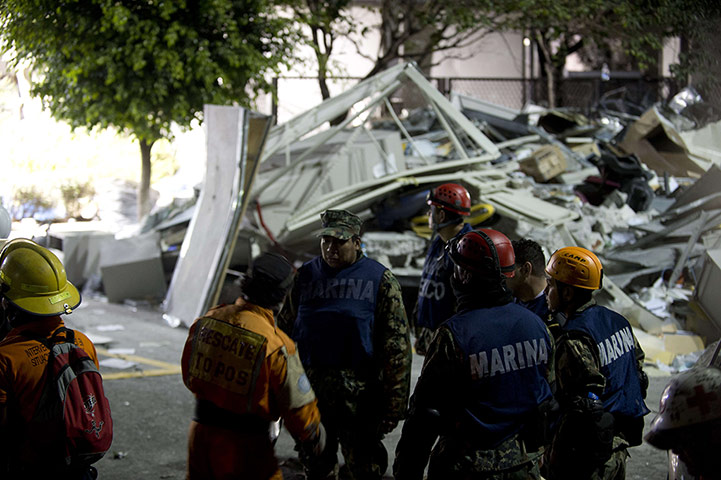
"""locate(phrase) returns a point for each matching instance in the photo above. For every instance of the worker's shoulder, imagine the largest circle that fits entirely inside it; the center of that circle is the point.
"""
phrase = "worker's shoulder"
(283, 340)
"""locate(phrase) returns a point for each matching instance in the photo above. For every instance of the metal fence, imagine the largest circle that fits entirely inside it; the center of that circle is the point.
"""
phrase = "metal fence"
(296, 94)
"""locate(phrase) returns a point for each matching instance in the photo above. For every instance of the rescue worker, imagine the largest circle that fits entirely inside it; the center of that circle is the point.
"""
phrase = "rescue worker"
(528, 283)
(245, 373)
(34, 292)
(484, 386)
(689, 421)
(347, 316)
(449, 203)
(600, 381)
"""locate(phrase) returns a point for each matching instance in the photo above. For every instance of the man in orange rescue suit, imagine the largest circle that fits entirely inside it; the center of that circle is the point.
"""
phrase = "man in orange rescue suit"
(347, 316)
(599, 374)
(245, 373)
(35, 292)
(449, 203)
(485, 378)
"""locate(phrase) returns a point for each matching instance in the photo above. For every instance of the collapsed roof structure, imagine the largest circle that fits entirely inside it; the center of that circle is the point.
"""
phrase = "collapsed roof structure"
(352, 166)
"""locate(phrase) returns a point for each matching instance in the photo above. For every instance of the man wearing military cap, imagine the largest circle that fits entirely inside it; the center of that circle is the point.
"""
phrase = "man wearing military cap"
(346, 313)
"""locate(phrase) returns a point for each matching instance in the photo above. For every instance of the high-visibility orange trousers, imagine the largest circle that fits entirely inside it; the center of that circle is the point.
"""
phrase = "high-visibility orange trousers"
(216, 453)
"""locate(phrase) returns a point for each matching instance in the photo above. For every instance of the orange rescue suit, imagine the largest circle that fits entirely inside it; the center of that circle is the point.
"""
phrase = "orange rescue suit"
(239, 361)
(23, 363)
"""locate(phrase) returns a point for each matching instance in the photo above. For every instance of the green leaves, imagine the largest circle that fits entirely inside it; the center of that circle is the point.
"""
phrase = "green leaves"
(144, 65)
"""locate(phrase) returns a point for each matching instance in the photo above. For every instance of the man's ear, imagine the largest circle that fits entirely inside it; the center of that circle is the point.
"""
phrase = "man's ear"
(526, 269)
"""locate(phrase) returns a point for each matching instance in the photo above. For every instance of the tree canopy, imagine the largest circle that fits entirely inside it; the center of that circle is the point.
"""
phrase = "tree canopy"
(636, 28)
(142, 66)
(628, 31)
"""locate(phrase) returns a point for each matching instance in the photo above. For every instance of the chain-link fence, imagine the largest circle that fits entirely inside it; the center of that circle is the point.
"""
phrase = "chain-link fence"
(633, 95)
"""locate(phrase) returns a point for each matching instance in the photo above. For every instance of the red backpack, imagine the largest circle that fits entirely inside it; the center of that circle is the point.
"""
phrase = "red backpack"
(73, 404)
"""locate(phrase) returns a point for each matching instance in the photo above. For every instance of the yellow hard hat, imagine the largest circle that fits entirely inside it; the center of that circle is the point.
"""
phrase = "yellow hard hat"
(576, 266)
(33, 279)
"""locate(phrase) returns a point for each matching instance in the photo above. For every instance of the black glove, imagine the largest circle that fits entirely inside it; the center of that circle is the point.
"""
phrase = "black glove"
(584, 439)
(316, 461)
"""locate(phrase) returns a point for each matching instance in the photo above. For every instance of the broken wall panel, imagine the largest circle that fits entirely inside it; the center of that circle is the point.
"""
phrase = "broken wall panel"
(707, 287)
(523, 205)
(234, 141)
(132, 268)
(655, 141)
(81, 254)
(704, 187)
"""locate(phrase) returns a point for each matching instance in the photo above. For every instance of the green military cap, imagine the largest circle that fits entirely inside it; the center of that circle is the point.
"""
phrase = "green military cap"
(339, 224)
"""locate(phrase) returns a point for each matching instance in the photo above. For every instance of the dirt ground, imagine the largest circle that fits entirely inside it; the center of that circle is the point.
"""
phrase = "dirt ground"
(151, 413)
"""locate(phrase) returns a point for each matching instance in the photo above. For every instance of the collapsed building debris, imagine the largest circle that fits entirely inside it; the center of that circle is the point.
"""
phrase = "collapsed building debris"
(635, 189)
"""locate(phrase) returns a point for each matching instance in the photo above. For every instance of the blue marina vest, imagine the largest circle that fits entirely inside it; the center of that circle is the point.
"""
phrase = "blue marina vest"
(538, 306)
(613, 335)
(436, 301)
(336, 313)
(506, 350)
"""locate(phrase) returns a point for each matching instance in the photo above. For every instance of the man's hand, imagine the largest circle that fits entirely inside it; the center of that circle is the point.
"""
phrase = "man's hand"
(316, 462)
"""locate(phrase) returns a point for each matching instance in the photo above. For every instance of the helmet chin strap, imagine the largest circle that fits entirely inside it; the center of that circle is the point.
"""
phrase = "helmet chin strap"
(560, 317)
(437, 226)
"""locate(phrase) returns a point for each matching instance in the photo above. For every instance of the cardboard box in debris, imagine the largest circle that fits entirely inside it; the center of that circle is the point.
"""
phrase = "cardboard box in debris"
(641, 190)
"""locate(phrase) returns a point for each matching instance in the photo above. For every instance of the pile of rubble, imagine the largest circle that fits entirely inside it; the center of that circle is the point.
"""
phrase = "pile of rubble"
(639, 190)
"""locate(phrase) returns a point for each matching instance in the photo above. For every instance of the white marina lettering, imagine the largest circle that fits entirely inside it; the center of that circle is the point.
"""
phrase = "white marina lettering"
(330, 288)
(627, 339)
(367, 292)
(616, 346)
(602, 351)
(496, 363)
(610, 352)
(354, 288)
(519, 351)
(341, 290)
(531, 351)
(542, 353)
(508, 358)
(479, 365)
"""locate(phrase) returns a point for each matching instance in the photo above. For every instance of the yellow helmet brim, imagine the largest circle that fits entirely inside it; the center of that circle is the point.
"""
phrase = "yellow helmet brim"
(62, 302)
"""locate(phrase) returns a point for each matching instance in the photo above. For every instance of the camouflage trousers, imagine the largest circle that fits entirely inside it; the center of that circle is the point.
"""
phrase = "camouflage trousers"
(352, 422)
(458, 459)
(613, 469)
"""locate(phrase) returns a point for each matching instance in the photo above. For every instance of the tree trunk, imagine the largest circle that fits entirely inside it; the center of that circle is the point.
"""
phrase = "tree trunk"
(144, 185)
(551, 69)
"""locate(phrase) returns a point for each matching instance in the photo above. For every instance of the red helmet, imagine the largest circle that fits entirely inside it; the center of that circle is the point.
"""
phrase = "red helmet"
(484, 250)
(451, 197)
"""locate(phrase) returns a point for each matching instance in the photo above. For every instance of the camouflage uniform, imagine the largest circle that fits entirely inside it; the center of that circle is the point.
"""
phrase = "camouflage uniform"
(455, 455)
(578, 371)
(354, 405)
